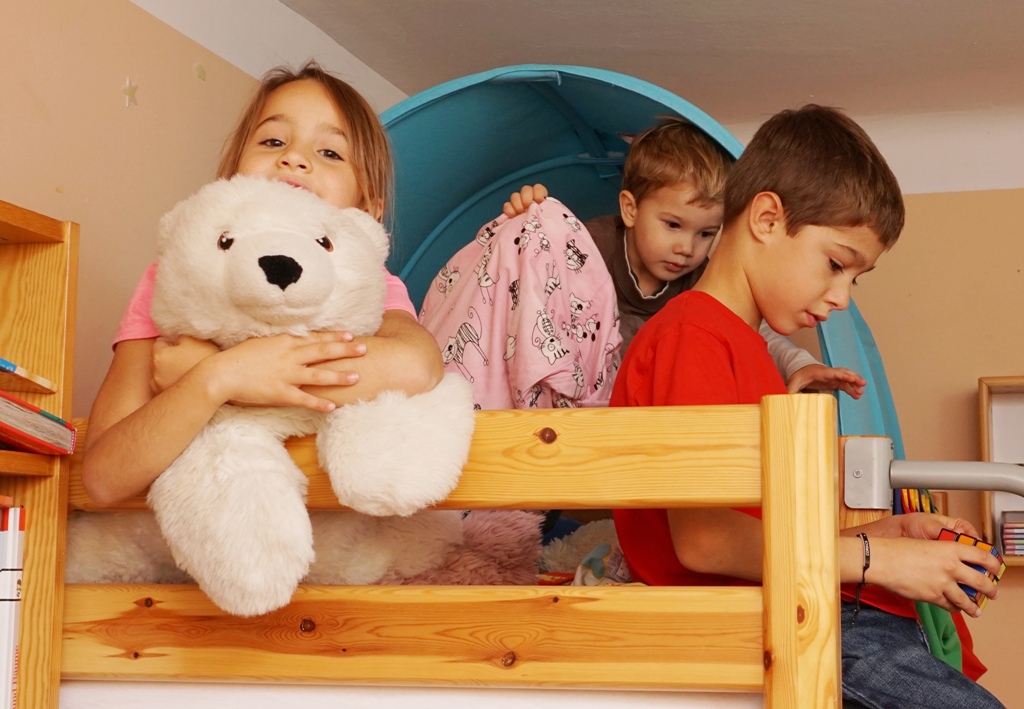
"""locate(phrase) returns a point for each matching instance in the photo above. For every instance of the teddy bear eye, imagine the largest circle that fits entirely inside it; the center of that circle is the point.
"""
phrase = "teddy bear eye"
(224, 242)
(326, 243)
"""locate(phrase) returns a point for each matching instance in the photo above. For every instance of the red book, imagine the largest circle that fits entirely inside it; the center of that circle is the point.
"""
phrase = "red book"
(28, 428)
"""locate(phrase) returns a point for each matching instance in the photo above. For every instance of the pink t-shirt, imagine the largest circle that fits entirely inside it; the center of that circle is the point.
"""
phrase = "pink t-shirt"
(136, 324)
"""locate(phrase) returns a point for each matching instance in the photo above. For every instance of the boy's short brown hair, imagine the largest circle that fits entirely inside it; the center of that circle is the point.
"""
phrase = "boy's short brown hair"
(673, 152)
(824, 168)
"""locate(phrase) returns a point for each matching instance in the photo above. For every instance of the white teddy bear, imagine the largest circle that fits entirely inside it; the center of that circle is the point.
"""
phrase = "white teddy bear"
(248, 257)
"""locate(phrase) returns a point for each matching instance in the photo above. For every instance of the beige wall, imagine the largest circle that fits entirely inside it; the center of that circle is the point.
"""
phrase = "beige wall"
(71, 149)
(946, 306)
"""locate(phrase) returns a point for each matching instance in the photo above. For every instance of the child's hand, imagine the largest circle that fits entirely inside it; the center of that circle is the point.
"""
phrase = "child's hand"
(924, 525)
(270, 371)
(909, 562)
(818, 376)
(172, 359)
(931, 571)
(520, 201)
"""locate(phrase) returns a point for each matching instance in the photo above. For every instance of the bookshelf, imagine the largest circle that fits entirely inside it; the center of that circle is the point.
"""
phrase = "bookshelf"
(38, 285)
(1001, 424)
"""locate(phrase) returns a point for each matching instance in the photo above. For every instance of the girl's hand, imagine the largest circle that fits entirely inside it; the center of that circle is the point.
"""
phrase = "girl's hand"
(520, 201)
(401, 356)
(271, 371)
(930, 571)
(172, 359)
(818, 376)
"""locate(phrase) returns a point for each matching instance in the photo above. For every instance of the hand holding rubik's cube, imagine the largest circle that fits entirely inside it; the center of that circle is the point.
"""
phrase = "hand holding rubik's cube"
(949, 535)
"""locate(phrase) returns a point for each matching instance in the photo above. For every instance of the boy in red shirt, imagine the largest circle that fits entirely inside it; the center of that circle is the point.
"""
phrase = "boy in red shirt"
(809, 207)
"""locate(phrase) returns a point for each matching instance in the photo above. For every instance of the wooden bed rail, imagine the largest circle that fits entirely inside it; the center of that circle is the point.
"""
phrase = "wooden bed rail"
(782, 637)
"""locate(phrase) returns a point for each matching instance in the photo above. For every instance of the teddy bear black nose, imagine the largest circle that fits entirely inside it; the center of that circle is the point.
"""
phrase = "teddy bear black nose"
(282, 271)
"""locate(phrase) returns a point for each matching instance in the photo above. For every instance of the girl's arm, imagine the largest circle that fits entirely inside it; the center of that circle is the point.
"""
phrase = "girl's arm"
(134, 435)
(402, 356)
(133, 438)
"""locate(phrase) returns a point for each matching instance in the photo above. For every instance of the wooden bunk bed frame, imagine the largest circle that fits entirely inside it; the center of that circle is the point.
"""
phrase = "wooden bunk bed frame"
(781, 638)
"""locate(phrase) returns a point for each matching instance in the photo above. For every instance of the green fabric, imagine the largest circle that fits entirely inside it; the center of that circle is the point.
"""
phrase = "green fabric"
(940, 630)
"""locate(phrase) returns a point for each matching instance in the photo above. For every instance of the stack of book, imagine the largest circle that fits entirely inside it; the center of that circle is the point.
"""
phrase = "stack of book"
(1013, 533)
(25, 427)
(12, 556)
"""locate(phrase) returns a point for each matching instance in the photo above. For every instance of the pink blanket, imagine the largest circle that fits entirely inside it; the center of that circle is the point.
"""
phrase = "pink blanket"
(527, 313)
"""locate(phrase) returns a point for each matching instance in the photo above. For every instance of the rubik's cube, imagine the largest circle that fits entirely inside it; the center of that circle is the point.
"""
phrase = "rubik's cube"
(950, 536)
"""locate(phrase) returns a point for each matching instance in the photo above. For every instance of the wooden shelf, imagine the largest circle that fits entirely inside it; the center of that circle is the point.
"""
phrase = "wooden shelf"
(38, 286)
(21, 226)
(1000, 422)
(15, 463)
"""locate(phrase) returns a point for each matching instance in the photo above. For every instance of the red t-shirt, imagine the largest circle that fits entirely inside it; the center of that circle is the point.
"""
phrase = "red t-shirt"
(696, 351)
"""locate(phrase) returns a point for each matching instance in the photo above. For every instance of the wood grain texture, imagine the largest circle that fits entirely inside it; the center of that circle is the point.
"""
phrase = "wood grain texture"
(45, 501)
(783, 639)
(18, 463)
(23, 226)
(801, 536)
(33, 290)
(597, 458)
(38, 287)
(498, 635)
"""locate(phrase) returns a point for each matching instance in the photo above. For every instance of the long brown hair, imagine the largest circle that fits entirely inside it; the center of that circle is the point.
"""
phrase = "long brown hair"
(371, 152)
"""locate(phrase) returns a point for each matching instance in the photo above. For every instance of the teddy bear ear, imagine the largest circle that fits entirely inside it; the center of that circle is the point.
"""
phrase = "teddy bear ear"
(170, 224)
(371, 228)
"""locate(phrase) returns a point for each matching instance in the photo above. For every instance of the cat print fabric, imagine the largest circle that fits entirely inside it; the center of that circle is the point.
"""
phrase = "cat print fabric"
(527, 313)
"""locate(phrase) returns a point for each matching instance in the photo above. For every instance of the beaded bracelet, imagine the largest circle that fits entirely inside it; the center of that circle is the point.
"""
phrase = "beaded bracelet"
(863, 572)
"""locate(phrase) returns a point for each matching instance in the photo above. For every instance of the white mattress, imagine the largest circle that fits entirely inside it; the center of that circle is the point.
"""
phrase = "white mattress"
(165, 695)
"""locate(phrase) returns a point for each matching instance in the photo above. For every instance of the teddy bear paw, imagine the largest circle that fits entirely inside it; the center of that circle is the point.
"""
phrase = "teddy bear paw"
(398, 454)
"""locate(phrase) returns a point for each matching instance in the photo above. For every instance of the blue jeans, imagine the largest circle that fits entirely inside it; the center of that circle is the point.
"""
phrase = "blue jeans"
(886, 664)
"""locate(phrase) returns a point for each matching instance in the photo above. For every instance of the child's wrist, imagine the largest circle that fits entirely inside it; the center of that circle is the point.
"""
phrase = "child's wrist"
(210, 380)
(866, 556)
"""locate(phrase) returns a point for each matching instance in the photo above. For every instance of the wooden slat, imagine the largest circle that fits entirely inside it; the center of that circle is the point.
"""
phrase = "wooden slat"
(784, 639)
(22, 226)
(66, 334)
(16, 463)
(699, 638)
(801, 533)
(596, 459)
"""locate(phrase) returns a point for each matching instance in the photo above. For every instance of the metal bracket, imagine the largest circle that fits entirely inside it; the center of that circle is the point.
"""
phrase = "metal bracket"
(867, 461)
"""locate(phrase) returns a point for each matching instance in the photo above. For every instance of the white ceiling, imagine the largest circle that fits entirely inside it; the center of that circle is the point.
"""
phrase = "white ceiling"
(739, 60)
(938, 84)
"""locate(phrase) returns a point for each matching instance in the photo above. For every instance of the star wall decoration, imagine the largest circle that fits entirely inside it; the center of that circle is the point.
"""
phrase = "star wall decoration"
(129, 93)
